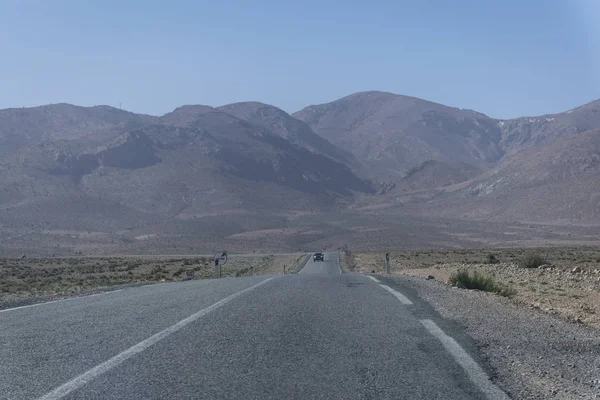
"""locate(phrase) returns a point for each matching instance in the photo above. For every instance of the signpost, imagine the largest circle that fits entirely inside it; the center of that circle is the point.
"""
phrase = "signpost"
(220, 259)
(387, 263)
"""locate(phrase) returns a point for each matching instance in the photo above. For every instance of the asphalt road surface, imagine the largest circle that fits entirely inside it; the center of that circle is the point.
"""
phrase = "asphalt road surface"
(329, 266)
(318, 334)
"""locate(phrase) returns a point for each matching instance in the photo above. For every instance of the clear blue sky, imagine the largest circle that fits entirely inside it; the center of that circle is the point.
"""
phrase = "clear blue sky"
(505, 58)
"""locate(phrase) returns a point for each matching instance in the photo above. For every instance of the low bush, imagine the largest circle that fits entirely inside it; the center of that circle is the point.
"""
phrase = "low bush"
(491, 259)
(474, 280)
(532, 260)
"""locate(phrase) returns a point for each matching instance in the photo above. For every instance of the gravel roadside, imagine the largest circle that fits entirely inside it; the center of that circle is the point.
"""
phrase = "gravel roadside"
(36, 280)
(534, 355)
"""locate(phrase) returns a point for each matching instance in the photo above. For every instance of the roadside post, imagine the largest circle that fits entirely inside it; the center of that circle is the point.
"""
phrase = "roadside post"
(387, 263)
(190, 274)
(220, 259)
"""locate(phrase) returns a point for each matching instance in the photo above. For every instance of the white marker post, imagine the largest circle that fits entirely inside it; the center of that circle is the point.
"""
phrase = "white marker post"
(387, 263)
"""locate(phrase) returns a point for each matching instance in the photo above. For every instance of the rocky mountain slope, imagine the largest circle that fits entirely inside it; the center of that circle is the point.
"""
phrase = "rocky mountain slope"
(438, 160)
(393, 133)
(522, 133)
(555, 181)
(436, 174)
(288, 127)
(20, 127)
(193, 164)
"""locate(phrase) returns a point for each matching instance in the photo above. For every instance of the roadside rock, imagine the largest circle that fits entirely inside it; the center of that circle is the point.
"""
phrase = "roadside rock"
(576, 270)
(430, 277)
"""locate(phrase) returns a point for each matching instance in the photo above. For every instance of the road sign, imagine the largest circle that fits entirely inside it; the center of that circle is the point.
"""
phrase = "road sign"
(221, 258)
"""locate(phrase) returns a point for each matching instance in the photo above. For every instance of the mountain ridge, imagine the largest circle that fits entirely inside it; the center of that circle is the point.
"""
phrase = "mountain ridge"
(65, 167)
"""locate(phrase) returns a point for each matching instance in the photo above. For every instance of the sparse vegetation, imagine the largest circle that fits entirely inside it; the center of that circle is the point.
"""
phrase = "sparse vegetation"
(571, 283)
(491, 259)
(49, 277)
(473, 280)
(533, 260)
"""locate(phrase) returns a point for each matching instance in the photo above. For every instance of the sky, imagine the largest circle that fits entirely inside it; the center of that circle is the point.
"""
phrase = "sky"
(505, 58)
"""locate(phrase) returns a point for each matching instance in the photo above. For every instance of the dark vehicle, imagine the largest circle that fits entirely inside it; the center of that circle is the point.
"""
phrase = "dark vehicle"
(318, 257)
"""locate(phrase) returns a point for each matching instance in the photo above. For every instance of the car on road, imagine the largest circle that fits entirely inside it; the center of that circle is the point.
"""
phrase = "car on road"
(318, 257)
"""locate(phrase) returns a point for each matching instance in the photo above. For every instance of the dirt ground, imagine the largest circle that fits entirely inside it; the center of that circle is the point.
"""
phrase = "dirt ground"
(23, 279)
(569, 288)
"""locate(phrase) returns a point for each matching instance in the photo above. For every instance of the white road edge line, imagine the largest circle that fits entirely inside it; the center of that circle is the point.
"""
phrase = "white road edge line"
(58, 301)
(305, 265)
(106, 366)
(473, 370)
(155, 284)
(372, 278)
(403, 299)
(338, 262)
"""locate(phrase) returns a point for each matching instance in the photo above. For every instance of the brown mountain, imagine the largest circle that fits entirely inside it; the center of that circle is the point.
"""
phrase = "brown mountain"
(539, 168)
(436, 174)
(72, 175)
(194, 164)
(521, 133)
(393, 133)
(292, 129)
(20, 127)
(555, 181)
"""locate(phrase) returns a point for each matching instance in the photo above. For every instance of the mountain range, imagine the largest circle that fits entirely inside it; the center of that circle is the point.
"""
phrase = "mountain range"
(94, 177)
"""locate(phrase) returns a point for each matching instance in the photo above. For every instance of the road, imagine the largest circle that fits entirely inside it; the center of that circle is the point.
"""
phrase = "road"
(318, 334)
(329, 266)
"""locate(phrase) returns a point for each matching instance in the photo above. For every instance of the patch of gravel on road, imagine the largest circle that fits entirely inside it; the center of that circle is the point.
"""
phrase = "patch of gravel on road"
(534, 355)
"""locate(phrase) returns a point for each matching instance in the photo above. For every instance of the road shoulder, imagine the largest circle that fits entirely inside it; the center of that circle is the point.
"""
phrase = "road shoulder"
(532, 355)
